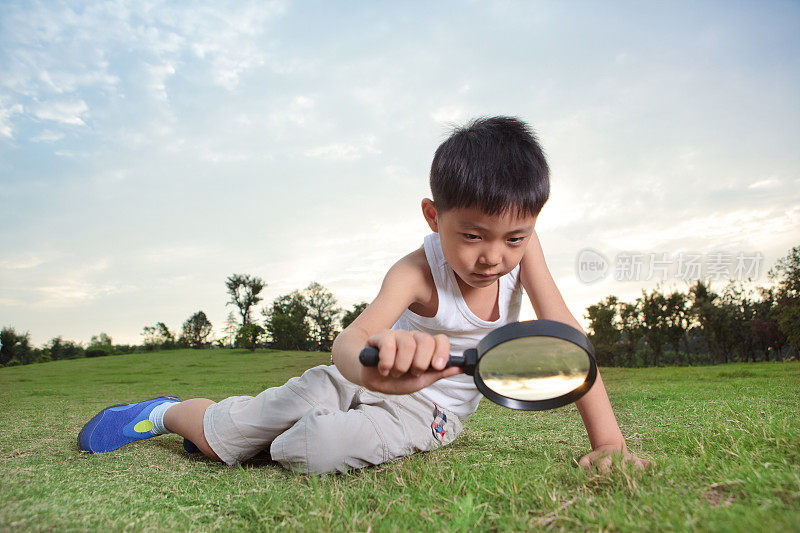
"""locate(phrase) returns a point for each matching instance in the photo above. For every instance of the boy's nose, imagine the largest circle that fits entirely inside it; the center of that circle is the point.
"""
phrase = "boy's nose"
(491, 256)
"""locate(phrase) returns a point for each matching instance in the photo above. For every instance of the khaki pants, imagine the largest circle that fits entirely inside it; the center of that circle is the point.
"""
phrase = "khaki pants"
(321, 422)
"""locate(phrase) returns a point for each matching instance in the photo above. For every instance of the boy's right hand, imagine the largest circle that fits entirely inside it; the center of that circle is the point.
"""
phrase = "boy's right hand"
(407, 361)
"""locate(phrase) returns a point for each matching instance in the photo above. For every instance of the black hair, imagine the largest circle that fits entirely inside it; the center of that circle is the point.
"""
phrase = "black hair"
(494, 164)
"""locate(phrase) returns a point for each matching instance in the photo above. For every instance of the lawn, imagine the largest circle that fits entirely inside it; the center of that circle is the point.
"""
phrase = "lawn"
(725, 441)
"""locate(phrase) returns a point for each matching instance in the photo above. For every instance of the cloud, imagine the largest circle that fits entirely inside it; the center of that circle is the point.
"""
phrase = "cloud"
(66, 81)
(158, 75)
(64, 112)
(170, 253)
(22, 262)
(71, 293)
(226, 39)
(345, 151)
(299, 111)
(741, 226)
(227, 157)
(71, 153)
(6, 113)
(53, 279)
(448, 114)
(48, 136)
(56, 58)
(765, 184)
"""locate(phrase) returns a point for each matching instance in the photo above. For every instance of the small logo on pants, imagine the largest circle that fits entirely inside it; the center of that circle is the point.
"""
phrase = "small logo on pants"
(437, 426)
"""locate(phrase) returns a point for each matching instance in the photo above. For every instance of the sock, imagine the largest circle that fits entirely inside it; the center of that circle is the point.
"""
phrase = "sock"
(157, 417)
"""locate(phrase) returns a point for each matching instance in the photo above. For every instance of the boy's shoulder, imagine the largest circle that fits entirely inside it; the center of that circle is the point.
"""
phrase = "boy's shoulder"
(417, 260)
(414, 273)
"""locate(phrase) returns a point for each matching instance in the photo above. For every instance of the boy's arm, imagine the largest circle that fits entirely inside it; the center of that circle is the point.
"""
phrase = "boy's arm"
(594, 407)
(409, 361)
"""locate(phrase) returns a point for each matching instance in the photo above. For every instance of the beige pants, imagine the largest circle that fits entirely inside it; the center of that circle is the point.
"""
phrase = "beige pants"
(321, 422)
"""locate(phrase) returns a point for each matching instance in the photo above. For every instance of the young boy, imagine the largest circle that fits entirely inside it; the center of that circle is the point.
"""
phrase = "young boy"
(489, 181)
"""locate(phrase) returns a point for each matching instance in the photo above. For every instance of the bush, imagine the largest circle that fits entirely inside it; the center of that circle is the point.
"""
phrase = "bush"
(40, 355)
(249, 336)
(15, 346)
(61, 349)
(124, 348)
(96, 352)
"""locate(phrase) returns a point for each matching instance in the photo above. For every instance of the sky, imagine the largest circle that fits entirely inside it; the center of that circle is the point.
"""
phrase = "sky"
(148, 150)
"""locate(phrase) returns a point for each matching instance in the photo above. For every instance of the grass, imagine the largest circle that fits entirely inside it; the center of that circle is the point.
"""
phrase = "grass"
(725, 440)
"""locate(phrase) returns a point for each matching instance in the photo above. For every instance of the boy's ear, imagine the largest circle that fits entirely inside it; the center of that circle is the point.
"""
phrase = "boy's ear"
(429, 212)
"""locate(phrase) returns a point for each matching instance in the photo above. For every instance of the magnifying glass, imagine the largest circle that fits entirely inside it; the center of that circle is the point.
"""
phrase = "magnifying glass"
(532, 366)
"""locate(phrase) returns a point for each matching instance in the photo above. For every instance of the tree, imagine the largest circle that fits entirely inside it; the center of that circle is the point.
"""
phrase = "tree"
(100, 343)
(249, 335)
(150, 341)
(786, 273)
(244, 291)
(350, 316)
(740, 309)
(8, 339)
(286, 322)
(16, 347)
(322, 314)
(55, 348)
(677, 321)
(630, 319)
(196, 330)
(656, 332)
(166, 336)
(158, 337)
(231, 330)
(764, 326)
(603, 330)
(101, 340)
(710, 315)
(60, 349)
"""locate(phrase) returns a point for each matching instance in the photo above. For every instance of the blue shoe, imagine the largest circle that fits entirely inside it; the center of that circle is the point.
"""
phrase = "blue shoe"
(118, 425)
(190, 447)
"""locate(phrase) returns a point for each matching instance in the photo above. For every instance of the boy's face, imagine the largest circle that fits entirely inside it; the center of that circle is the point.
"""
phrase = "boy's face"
(478, 247)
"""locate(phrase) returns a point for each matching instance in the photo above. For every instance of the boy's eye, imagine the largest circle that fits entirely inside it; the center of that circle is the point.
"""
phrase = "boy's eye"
(470, 236)
(516, 240)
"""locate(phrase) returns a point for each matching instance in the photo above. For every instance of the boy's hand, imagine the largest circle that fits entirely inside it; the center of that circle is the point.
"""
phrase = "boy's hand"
(602, 458)
(407, 361)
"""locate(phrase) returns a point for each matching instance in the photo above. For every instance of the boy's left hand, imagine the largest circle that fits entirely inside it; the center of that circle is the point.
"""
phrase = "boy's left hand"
(602, 458)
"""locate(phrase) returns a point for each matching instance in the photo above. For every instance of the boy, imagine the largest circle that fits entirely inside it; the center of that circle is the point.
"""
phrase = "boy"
(489, 181)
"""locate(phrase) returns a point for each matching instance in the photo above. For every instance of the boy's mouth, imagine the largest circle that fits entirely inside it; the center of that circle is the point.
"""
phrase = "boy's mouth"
(485, 276)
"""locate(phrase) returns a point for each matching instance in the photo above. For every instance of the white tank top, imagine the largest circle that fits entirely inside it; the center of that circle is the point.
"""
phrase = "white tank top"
(464, 329)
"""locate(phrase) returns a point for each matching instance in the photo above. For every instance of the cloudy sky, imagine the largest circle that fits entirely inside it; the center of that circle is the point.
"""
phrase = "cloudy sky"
(150, 149)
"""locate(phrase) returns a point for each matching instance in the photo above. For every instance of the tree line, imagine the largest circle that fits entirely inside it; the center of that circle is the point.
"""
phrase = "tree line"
(308, 319)
(701, 326)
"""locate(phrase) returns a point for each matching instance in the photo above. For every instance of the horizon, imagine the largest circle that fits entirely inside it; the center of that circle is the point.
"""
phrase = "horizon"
(149, 152)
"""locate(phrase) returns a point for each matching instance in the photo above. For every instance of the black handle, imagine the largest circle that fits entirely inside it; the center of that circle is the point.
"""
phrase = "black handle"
(369, 357)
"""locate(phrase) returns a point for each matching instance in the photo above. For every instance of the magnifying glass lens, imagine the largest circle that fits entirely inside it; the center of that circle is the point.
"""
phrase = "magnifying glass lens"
(534, 368)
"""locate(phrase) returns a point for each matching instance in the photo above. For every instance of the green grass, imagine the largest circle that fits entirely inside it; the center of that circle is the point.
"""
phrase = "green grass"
(725, 441)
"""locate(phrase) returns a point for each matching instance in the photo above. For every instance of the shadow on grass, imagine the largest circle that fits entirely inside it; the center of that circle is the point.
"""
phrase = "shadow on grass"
(261, 460)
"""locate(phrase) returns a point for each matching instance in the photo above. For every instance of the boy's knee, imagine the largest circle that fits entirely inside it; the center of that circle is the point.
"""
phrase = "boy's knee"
(321, 444)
